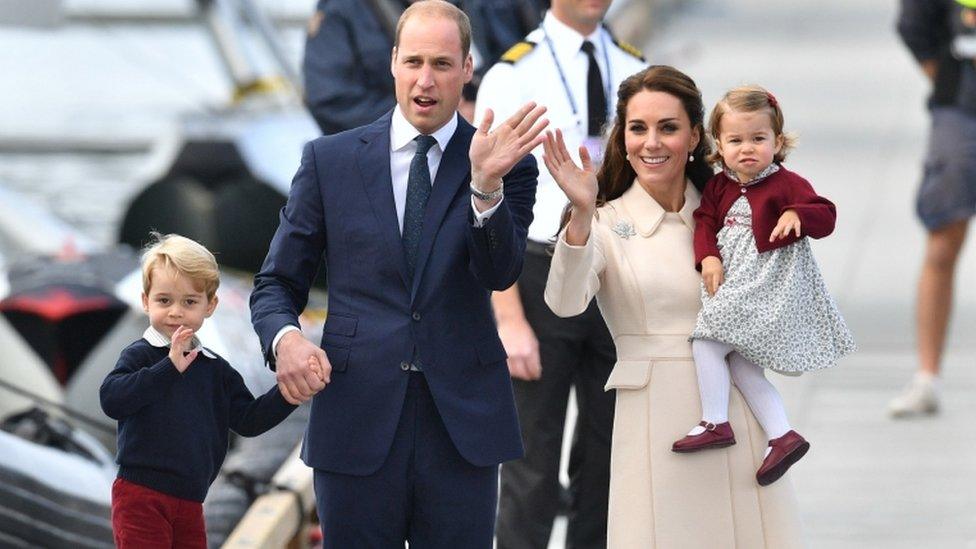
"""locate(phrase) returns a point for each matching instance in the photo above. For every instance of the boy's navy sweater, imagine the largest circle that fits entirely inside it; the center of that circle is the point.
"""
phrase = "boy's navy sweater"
(172, 426)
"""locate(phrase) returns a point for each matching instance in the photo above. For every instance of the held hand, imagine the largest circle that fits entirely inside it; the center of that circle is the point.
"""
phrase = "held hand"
(713, 275)
(297, 380)
(789, 221)
(313, 365)
(579, 184)
(178, 343)
(494, 153)
(522, 348)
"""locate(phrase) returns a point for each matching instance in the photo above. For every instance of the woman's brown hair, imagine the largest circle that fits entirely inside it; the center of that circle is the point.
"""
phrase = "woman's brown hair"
(616, 175)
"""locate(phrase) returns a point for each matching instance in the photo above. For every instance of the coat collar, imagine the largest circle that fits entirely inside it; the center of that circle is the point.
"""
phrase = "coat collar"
(373, 158)
(647, 214)
(453, 174)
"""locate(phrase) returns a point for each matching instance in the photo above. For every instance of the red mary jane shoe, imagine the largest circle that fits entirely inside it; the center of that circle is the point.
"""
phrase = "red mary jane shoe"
(786, 450)
(714, 436)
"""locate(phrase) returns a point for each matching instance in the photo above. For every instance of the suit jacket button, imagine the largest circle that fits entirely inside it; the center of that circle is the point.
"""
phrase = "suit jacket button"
(404, 366)
(415, 316)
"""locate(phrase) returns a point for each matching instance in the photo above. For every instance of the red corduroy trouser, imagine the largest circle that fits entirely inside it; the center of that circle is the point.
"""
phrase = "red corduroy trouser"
(143, 518)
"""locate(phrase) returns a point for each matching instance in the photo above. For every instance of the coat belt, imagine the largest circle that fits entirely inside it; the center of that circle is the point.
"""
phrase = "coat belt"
(652, 346)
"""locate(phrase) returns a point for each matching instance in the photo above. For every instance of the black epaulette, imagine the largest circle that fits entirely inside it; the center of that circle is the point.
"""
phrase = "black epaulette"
(629, 49)
(517, 52)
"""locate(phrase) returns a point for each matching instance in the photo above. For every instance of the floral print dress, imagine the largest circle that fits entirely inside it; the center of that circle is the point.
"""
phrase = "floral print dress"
(774, 307)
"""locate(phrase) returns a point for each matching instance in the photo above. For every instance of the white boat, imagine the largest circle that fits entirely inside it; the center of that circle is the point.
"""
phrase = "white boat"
(55, 484)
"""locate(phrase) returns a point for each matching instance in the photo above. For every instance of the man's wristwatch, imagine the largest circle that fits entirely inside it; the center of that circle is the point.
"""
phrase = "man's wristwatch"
(489, 196)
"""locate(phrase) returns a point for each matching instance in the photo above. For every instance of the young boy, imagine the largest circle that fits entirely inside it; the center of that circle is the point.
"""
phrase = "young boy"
(175, 401)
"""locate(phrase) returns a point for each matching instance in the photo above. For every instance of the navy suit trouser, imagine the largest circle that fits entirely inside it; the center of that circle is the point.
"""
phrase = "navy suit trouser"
(424, 493)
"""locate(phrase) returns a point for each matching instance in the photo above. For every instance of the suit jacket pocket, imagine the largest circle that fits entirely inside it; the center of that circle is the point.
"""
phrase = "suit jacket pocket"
(629, 374)
(337, 337)
(339, 324)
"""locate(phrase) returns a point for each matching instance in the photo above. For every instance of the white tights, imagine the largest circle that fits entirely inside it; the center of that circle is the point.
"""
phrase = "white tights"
(714, 384)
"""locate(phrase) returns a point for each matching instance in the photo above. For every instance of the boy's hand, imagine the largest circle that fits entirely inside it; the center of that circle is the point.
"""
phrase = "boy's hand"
(296, 380)
(713, 275)
(313, 364)
(180, 340)
(789, 221)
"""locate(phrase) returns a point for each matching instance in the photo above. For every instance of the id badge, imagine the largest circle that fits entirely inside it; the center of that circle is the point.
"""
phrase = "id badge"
(594, 146)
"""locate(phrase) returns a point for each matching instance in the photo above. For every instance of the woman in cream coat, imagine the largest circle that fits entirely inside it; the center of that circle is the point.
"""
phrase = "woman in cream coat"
(628, 241)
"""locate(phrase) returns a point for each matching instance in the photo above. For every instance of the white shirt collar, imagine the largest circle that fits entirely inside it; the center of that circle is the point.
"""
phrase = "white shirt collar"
(402, 132)
(568, 40)
(766, 172)
(157, 339)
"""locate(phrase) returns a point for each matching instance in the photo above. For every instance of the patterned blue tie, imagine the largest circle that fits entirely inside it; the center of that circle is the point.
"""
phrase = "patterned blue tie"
(418, 191)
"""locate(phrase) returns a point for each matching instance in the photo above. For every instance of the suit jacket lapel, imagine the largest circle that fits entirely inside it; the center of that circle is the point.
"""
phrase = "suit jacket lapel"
(453, 172)
(374, 164)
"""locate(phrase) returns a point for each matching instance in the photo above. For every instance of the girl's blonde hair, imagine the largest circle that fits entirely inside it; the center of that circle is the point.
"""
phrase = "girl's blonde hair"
(749, 99)
(185, 256)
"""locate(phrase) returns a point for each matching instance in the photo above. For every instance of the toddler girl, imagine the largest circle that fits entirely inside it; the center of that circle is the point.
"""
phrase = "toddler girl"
(764, 302)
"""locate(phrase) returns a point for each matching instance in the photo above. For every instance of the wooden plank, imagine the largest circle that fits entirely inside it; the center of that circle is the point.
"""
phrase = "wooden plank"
(276, 518)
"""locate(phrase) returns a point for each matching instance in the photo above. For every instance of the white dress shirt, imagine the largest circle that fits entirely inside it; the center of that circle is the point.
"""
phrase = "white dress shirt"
(534, 77)
(402, 150)
(157, 339)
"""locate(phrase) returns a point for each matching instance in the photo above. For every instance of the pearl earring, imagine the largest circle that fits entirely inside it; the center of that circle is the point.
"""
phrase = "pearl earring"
(691, 157)
(628, 157)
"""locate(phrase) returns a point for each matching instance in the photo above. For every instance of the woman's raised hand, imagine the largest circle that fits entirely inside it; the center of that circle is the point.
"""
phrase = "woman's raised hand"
(579, 184)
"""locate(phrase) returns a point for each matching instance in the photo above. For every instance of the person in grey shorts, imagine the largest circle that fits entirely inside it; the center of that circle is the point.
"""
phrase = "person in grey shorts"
(940, 35)
(947, 194)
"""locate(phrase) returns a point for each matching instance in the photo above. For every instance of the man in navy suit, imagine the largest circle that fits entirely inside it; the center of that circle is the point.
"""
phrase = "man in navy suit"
(418, 217)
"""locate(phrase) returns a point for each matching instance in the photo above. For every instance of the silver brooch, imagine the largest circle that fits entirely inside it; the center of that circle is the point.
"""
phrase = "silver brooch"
(624, 229)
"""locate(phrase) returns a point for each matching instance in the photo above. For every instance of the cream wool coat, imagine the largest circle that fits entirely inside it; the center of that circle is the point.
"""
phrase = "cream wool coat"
(640, 265)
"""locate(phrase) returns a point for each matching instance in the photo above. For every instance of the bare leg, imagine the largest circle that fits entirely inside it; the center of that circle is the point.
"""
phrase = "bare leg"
(935, 286)
(933, 305)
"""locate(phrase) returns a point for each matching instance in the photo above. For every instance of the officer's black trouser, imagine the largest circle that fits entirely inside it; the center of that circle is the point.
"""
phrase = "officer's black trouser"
(574, 351)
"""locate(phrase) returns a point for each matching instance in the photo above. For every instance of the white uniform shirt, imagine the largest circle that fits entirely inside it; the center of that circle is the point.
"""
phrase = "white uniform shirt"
(535, 77)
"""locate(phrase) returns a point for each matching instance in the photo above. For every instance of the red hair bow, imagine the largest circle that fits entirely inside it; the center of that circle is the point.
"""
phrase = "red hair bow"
(772, 100)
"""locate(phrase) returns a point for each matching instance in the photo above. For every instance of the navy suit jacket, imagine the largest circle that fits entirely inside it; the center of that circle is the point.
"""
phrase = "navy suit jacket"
(340, 209)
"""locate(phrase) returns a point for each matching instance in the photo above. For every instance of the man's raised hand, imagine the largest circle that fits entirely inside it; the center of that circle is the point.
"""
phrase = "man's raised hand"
(493, 153)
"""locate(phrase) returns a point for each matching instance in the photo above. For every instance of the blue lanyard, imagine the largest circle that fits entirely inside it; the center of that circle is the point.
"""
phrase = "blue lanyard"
(562, 75)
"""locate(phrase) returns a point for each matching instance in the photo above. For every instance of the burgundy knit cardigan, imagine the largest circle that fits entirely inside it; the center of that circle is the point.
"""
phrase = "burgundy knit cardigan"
(769, 198)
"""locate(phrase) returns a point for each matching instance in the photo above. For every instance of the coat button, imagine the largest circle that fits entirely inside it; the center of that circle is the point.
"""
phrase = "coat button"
(404, 366)
(415, 316)
(743, 190)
